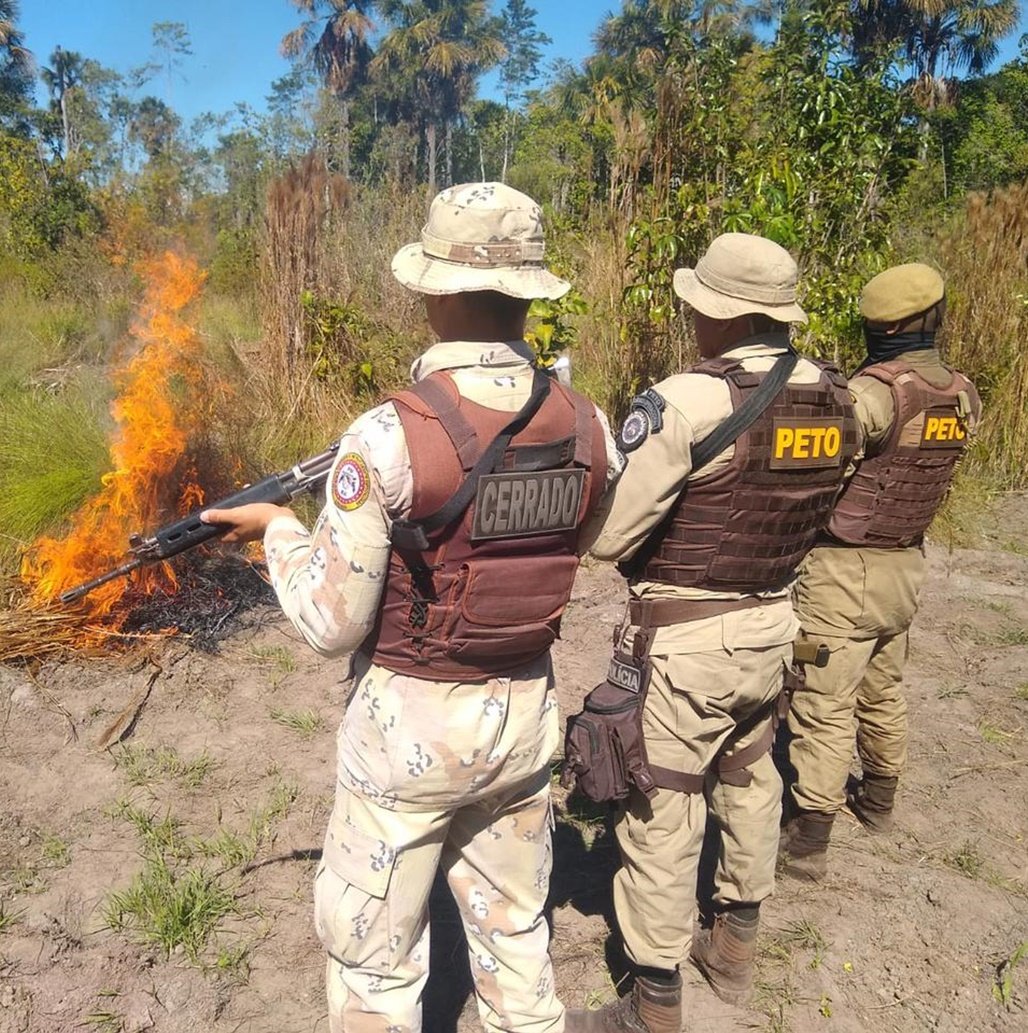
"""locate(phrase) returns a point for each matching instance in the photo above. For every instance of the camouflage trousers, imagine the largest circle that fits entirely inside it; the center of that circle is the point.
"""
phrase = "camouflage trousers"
(371, 908)
(860, 603)
(692, 707)
(449, 776)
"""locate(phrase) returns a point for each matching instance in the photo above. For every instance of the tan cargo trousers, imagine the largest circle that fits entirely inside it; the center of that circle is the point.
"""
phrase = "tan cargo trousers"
(693, 705)
(859, 602)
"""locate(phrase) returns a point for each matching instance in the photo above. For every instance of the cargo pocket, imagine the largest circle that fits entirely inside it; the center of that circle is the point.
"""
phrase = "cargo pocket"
(351, 913)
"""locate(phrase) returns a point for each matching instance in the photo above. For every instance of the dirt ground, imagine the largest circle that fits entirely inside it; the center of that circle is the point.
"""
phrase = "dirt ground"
(227, 774)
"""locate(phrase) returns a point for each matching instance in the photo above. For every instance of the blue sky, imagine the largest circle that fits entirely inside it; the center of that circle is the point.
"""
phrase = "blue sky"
(235, 42)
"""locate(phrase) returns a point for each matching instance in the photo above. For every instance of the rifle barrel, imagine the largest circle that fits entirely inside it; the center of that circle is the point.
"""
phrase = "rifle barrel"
(74, 594)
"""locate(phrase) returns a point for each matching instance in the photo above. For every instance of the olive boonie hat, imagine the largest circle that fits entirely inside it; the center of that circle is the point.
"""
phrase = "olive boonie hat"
(739, 274)
(480, 237)
(902, 291)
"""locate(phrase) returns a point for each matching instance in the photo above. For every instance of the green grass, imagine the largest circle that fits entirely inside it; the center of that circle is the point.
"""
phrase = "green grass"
(993, 734)
(804, 935)
(1021, 692)
(53, 452)
(1003, 987)
(188, 885)
(171, 908)
(278, 657)
(967, 860)
(143, 765)
(304, 722)
(8, 916)
(56, 851)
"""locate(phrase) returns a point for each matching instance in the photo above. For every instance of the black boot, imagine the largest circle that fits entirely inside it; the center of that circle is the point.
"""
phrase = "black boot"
(651, 1007)
(803, 850)
(872, 800)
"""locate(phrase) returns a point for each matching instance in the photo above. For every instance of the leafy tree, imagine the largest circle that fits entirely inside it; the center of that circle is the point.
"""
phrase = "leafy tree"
(15, 71)
(153, 127)
(171, 40)
(334, 38)
(520, 68)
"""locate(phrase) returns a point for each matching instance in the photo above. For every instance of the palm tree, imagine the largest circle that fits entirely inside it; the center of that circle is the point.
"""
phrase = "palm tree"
(940, 38)
(431, 60)
(63, 75)
(15, 66)
(334, 38)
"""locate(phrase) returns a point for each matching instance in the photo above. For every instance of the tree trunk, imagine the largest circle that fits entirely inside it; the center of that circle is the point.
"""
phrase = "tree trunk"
(449, 153)
(65, 124)
(345, 119)
(430, 141)
(506, 144)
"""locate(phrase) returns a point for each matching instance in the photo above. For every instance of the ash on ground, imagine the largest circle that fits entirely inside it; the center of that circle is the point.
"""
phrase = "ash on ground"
(216, 596)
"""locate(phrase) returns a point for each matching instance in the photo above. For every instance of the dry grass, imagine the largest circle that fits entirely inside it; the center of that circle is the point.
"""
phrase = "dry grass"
(984, 256)
(301, 204)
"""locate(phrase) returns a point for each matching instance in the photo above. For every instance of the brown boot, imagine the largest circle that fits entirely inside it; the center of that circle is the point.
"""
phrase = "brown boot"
(651, 1007)
(872, 800)
(803, 850)
(726, 952)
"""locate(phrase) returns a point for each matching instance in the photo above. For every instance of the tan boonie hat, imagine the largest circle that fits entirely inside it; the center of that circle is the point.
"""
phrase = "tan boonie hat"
(902, 291)
(480, 237)
(739, 274)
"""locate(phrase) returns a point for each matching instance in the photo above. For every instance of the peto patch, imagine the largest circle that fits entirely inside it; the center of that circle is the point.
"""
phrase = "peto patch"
(352, 485)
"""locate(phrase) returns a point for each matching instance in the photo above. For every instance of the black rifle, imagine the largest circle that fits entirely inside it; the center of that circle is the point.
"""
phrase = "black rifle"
(190, 531)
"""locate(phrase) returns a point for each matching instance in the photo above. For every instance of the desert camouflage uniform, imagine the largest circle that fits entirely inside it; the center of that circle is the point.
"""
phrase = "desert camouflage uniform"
(431, 774)
(860, 601)
(708, 675)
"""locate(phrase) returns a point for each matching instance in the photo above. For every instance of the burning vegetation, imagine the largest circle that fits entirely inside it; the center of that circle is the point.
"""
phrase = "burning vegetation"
(159, 417)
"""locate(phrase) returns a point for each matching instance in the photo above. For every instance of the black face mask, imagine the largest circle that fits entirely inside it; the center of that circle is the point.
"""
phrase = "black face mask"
(882, 346)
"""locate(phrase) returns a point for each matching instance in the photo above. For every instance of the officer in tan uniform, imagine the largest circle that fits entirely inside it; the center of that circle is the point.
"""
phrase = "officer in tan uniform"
(857, 591)
(445, 555)
(709, 544)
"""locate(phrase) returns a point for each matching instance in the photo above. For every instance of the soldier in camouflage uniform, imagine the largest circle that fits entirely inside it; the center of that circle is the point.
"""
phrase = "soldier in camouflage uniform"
(444, 750)
(858, 589)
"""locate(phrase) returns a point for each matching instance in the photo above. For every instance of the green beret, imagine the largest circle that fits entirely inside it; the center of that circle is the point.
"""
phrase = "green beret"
(902, 291)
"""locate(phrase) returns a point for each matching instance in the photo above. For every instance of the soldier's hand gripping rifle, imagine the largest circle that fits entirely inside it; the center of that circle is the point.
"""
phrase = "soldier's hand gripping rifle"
(190, 531)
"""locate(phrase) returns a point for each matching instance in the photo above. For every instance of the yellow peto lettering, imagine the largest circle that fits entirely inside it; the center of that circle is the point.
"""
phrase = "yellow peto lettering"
(783, 441)
(943, 428)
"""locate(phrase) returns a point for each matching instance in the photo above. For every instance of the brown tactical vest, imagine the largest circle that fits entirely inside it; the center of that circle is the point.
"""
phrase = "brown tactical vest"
(488, 594)
(745, 527)
(892, 498)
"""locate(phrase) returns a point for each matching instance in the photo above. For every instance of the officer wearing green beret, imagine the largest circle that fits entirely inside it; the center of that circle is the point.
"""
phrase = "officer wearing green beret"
(858, 590)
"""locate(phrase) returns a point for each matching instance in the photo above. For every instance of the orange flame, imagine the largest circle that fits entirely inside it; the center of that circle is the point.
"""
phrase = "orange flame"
(155, 413)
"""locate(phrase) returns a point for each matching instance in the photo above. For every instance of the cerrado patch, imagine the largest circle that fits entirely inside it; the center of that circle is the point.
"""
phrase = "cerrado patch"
(514, 505)
(806, 443)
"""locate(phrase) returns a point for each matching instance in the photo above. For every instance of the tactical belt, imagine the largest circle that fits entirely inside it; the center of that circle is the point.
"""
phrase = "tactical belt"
(662, 613)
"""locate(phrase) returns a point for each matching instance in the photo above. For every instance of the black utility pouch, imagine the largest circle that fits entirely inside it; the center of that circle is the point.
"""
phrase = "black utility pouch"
(604, 749)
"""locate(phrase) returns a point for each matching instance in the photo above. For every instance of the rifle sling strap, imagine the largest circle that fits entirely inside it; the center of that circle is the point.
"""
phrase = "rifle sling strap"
(715, 443)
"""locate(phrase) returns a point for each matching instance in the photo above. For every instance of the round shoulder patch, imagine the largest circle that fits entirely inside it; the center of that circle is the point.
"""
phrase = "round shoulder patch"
(352, 484)
(634, 431)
